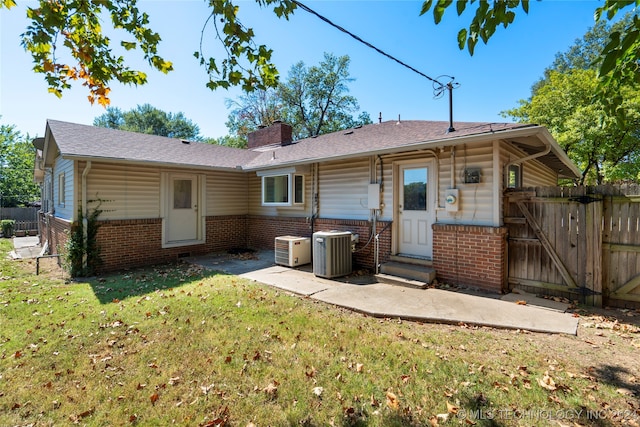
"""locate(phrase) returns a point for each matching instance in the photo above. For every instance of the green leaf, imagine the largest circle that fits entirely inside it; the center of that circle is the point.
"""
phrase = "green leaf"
(440, 8)
(609, 62)
(128, 45)
(426, 6)
(462, 38)
(460, 6)
(614, 42)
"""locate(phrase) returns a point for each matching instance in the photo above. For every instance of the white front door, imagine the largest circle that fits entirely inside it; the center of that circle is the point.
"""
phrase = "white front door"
(415, 210)
(182, 208)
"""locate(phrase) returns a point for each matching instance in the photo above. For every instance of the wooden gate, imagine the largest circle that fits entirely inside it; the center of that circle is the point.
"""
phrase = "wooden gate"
(577, 242)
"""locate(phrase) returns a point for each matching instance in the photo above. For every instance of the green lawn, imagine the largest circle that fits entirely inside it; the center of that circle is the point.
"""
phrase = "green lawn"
(179, 345)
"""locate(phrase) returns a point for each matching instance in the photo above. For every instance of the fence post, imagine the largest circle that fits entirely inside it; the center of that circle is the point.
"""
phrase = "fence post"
(593, 236)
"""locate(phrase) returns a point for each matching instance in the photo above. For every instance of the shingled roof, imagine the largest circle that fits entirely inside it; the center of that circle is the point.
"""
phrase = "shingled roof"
(97, 143)
(377, 138)
(81, 141)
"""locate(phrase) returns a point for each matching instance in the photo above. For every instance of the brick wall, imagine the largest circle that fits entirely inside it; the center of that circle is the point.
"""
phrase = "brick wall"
(54, 231)
(262, 231)
(135, 243)
(472, 256)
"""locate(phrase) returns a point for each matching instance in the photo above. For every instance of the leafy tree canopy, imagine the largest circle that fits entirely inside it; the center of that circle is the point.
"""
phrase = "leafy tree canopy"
(314, 100)
(17, 156)
(68, 43)
(148, 119)
(563, 100)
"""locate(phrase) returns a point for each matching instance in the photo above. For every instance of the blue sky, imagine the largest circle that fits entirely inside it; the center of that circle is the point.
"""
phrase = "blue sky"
(493, 80)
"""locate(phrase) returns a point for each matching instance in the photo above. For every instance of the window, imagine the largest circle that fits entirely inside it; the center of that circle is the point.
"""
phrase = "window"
(514, 177)
(61, 190)
(283, 190)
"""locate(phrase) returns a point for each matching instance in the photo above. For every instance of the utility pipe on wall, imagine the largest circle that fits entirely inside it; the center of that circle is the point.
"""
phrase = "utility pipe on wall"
(85, 214)
(521, 160)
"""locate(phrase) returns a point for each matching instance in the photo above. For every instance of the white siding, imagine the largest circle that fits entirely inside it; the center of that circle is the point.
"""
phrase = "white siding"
(126, 191)
(534, 173)
(476, 201)
(133, 192)
(63, 209)
(227, 193)
(344, 189)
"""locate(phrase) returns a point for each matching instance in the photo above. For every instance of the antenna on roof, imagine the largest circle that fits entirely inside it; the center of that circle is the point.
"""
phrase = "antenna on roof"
(438, 92)
(380, 117)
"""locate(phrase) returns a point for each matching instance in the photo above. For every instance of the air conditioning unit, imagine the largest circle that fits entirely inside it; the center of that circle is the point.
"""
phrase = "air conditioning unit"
(293, 251)
(332, 256)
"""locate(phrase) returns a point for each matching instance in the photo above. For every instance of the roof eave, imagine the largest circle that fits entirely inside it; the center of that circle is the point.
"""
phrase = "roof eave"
(416, 146)
(237, 168)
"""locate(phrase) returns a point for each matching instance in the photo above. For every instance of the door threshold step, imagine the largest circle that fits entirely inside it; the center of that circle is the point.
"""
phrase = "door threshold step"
(400, 281)
(410, 259)
(409, 271)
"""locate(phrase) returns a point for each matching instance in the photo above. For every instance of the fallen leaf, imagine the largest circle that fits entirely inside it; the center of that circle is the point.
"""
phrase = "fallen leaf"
(271, 389)
(392, 401)
(154, 398)
(547, 382)
(521, 302)
(452, 409)
(374, 402)
(442, 417)
(359, 367)
(174, 380)
(318, 391)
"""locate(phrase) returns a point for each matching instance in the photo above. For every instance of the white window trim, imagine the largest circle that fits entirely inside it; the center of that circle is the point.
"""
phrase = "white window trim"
(61, 190)
(517, 169)
(290, 189)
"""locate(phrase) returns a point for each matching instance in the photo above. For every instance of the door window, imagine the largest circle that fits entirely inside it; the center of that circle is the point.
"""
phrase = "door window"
(182, 194)
(415, 189)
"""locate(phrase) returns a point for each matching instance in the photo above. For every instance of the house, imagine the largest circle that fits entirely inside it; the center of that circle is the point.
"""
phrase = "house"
(414, 188)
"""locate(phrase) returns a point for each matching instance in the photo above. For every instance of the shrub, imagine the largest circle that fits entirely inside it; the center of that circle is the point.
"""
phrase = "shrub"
(75, 249)
(7, 227)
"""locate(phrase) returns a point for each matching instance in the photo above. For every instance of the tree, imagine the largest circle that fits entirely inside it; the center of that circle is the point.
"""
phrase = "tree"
(563, 100)
(251, 110)
(619, 59)
(148, 119)
(604, 151)
(17, 156)
(313, 100)
(75, 27)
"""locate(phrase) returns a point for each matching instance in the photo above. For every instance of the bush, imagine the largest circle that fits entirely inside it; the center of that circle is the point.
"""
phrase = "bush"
(75, 247)
(7, 227)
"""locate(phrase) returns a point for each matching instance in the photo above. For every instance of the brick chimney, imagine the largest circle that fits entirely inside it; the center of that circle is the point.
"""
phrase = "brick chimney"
(277, 133)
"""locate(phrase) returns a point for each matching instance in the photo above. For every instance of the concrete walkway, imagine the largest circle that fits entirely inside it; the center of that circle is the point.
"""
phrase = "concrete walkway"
(364, 294)
(25, 247)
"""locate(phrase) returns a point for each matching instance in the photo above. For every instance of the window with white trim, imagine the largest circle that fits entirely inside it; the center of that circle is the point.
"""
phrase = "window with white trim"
(61, 190)
(283, 190)
(514, 177)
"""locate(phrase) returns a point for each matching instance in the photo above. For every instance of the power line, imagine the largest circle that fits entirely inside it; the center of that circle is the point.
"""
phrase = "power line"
(380, 51)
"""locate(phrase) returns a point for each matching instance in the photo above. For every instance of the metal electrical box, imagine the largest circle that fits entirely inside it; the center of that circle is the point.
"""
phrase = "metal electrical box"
(452, 200)
(374, 196)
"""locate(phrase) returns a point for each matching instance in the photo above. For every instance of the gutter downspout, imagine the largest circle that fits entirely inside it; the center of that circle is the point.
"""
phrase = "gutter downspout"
(521, 160)
(85, 213)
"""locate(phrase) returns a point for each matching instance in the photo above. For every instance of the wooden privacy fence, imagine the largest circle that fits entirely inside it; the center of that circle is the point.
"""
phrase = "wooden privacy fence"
(26, 218)
(576, 242)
